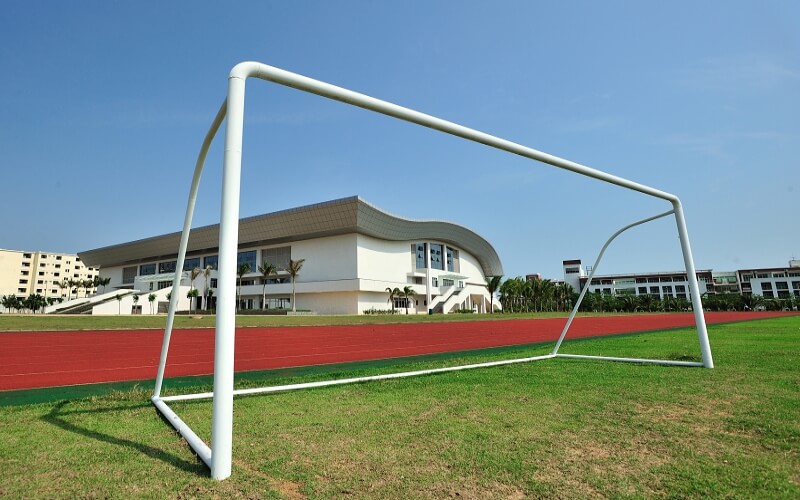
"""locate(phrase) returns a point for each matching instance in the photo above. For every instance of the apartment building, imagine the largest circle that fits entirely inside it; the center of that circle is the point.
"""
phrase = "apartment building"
(24, 273)
(774, 282)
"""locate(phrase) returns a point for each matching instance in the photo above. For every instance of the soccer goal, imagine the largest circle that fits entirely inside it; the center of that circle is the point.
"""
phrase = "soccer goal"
(218, 456)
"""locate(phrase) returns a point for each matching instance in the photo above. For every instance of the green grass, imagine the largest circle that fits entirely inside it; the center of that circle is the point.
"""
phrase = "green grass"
(39, 322)
(562, 428)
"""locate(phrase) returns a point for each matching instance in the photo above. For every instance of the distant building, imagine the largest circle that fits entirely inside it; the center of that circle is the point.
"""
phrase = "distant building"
(24, 273)
(353, 251)
(779, 282)
(773, 282)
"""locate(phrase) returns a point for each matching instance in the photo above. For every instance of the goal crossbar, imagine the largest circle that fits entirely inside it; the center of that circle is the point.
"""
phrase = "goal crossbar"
(218, 457)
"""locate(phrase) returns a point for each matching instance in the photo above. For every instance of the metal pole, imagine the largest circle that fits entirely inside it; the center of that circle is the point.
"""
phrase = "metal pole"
(591, 275)
(187, 224)
(694, 289)
(222, 418)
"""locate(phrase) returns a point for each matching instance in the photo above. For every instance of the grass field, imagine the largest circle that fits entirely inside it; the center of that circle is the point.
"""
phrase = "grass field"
(41, 323)
(563, 428)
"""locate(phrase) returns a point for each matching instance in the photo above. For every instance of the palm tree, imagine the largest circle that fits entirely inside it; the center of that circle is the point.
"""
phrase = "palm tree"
(62, 284)
(393, 293)
(193, 274)
(266, 269)
(492, 285)
(151, 298)
(408, 293)
(87, 284)
(119, 303)
(193, 293)
(135, 300)
(241, 271)
(104, 282)
(207, 290)
(294, 271)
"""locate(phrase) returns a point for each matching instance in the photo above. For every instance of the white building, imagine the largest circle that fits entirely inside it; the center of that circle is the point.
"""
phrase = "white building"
(775, 282)
(48, 274)
(353, 252)
(659, 285)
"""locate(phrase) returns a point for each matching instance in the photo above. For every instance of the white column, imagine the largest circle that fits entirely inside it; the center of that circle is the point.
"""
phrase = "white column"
(427, 247)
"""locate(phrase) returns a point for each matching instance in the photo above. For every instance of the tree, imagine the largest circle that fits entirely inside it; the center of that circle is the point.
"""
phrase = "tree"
(193, 274)
(266, 269)
(193, 293)
(151, 298)
(408, 293)
(135, 300)
(241, 271)
(492, 285)
(393, 293)
(207, 291)
(62, 284)
(294, 271)
(98, 281)
(119, 303)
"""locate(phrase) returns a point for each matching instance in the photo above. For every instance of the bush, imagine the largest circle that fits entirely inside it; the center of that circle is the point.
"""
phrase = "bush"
(372, 310)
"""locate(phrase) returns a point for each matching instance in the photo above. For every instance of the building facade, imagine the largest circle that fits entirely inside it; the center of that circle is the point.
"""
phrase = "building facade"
(24, 273)
(778, 282)
(352, 253)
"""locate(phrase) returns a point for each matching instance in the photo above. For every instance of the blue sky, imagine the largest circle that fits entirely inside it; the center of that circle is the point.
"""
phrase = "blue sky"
(103, 107)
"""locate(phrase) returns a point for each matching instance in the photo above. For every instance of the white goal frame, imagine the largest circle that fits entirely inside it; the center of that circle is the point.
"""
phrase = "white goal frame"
(218, 457)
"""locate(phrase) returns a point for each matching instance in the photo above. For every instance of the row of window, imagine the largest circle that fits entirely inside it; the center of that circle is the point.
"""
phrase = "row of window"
(279, 256)
(441, 257)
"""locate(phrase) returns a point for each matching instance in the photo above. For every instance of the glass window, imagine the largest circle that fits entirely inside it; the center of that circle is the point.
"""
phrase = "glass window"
(419, 251)
(147, 269)
(782, 285)
(279, 257)
(164, 284)
(128, 274)
(190, 264)
(436, 257)
(167, 267)
(213, 283)
(452, 260)
(211, 260)
(766, 286)
(248, 257)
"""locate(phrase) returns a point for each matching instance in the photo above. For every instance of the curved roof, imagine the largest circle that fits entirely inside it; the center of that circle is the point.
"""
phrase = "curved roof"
(330, 218)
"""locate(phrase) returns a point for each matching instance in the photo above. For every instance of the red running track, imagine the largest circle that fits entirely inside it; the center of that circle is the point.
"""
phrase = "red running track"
(48, 359)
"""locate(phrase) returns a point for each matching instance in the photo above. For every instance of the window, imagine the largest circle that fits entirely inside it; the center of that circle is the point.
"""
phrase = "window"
(58, 257)
(769, 295)
(164, 284)
(190, 264)
(167, 267)
(279, 280)
(762, 275)
(211, 260)
(795, 284)
(128, 274)
(26, 256)
(147, 269)
(21, 290)
(41, 273)
(746, 278)
(436, 256)
(23, 282)
(434, 281)
(654, 290)
(44, 256)
(40, 282)
(642, 290)
(680, 288)
(652, 280)
(401, 303)
(794, 274)
(452, 260)
(766, 286)
(58, 266)
(447, 282)
(571, 270)
(418, 280)
(24, 273)
(781, 285)
(213, 283)
(279, 256)
(778, 275)
(56, 274)
(248, 257)
(26, 264)
(418, 249)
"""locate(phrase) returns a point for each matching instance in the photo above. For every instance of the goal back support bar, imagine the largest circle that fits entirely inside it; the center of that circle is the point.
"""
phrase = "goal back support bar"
(218, 457)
